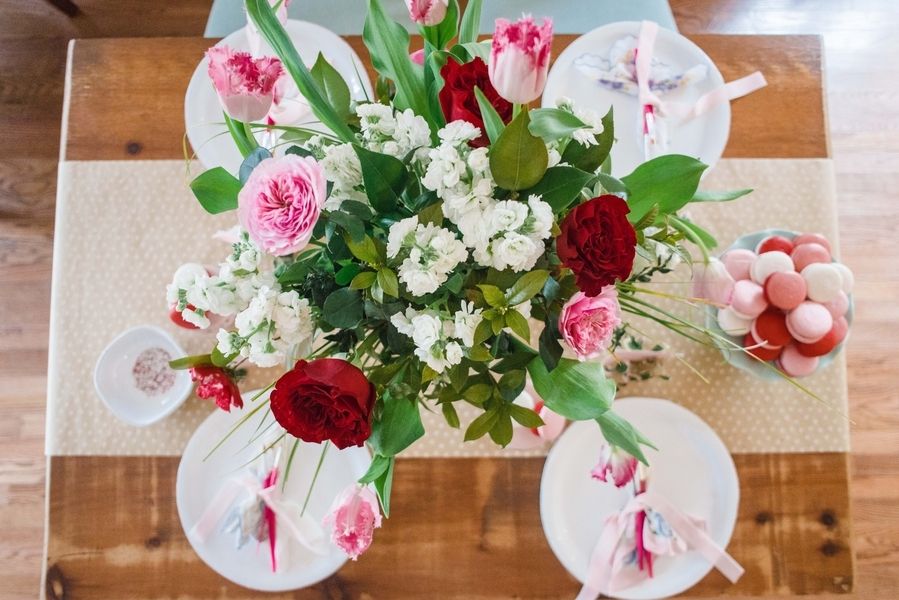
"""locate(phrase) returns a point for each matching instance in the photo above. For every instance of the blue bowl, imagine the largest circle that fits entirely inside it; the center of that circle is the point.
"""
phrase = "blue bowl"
(740, 359)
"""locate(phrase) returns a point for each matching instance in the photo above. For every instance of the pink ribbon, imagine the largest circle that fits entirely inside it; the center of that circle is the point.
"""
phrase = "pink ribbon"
(606, 572)
(643, 64)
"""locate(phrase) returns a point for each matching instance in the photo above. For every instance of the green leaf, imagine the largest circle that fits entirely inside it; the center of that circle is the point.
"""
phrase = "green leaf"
(241, 135)
(611, 184)
(357, 209)
(186, 362)
(388, 46)
(550, 289)
(388, 282)
(349, 223)
(471, 50)
(222, 360)
(343, 308)
(511, 384)
(482, 332)
(693, 232)
(492, 294)
(493, 123)
(364, 250)
(363, 280)
(262, 14)
(217, 190)
(481, 425)
(527, 286)
(549, 347)
(553, 123)
(621, 433)
(346, 274)
(454, 283)
(450, 414)
(518, 324)
(384, 177)
(434, 63)
(669, 180)
(501, 432)
(560, 186)
(383, 486)
(379, 465)
(332, 85)
(249, 163)
(471, 23)
(441, 34)
(576, 390)
(478, 393)
(725, 196)
(525, 416)
(589, 158)
(518, 160)
(397, 427)
(431, 214)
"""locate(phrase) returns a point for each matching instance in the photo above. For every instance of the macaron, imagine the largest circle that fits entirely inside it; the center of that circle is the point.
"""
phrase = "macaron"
(806, 254)
(733, 324)
(773, 243)
(795, 364)
(785, 290)
(737, 262)
(748, 299)
(839, 306)
(823, 282)
(762, 352)
(768, 263)
(809, 322)
(846, 274)
(826, 344)
(811, 238)
(770, 328)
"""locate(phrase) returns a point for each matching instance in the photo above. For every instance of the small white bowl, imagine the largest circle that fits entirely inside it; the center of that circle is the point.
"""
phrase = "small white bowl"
(119, 387)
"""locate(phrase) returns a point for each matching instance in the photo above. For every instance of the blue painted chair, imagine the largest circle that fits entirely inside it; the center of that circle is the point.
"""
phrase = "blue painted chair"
(346, 17)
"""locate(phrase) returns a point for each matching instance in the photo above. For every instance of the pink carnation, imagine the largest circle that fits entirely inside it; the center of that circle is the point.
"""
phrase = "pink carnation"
(281, 201)
(245, 85)
(587, 323)
(354, 516)
(519, 58)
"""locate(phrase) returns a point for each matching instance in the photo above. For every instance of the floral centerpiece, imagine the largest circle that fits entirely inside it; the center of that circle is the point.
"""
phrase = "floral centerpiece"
(440, 243)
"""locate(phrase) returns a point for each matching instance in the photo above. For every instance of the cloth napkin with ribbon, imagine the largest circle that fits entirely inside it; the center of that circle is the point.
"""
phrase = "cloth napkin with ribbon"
(620, 561)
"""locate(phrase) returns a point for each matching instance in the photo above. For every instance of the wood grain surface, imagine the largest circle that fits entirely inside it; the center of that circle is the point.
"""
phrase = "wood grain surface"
(459, 528)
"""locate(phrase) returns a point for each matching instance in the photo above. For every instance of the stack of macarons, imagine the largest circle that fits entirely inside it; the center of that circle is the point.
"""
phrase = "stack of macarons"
(790, 301)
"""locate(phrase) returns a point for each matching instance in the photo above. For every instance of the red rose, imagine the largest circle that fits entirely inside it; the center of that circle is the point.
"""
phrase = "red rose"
(457, 99)
(598, 243)
(326, 399)
(214, 383)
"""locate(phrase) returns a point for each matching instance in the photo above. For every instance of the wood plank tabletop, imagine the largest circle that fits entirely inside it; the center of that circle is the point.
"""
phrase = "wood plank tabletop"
(460, 528)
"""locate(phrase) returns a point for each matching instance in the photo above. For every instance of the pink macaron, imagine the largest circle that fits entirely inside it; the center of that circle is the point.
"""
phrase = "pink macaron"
(809, 322)
(839, 306)
(809, 253)
(768, 263)
(774, 243)
(737, 262)
(795, 364)
(811, 238)
(847, 276)
(785, 290)
(749, 299)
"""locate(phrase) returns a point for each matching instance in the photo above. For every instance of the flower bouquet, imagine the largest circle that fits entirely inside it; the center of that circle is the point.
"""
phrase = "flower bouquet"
(440, 243)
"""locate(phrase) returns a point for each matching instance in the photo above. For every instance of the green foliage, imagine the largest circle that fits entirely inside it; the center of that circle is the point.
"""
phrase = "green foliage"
(333, 87)
(560, 186)
(343, 308)
(725, 196)
(670, 181)
(518, 159)
(621, 433)
(217, 190)
(527, 286)
(471, 22)
(553, 124)
(589, 158)
(576, 390)
(186, 362)
(384, 177)
(397, 426)
(493, 123)
(252, 160)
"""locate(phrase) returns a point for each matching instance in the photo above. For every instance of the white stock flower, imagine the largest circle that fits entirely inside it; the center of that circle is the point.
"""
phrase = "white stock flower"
(431, 253)
(459, 132)
(293, 318)
(376, 119)
(399, 235)
(515, 251)
(508, 215)
(466, 321)
(341, 166)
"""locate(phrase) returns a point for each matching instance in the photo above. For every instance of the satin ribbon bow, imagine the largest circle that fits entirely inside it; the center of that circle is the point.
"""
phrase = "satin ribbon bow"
(727, 92)
(301, 527)
(606, 572)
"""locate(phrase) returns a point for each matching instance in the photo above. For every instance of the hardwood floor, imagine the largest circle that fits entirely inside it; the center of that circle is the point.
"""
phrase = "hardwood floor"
(861, 52)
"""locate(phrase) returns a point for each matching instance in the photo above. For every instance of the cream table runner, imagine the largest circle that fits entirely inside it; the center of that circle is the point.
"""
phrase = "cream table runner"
(123, 227)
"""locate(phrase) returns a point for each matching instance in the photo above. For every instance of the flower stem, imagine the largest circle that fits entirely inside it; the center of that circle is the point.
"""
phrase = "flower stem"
(318, 467)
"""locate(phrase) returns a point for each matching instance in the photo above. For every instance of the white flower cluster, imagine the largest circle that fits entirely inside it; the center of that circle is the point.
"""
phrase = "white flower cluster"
(587, 135)
(440, 340)
(396, 134)
(430, 254)
(504, 234)
(268, 321)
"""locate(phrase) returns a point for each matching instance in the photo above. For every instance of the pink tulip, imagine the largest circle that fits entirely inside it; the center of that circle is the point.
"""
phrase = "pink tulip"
(615, 463)
(519, 59)
(526, 438)
(587, 323)
(418, 57)
(712, 282)
(353, 517)
(427, 12)
(245, 85)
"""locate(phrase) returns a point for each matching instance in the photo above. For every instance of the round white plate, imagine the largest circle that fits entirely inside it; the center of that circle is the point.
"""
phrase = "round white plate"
(203, 112)
(199, 481)
(692, 468)
(703, 137)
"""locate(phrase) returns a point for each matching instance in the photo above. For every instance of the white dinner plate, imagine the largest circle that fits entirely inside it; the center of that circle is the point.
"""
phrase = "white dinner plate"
(203, 112)
(692, 468)
(703, 137)
(198, 482)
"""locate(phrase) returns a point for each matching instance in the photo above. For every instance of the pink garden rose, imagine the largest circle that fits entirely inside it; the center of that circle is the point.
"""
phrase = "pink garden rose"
(427, 12)
(281, 201)
(519, 58)
(587, 323)
(245, 85)
(353, 517)
(712, 282)
(615, 465)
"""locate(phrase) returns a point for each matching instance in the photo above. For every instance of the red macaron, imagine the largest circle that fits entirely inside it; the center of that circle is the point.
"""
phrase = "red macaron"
(785, 290)
(774, 243)
(770, 328)
(811, 238)
(826, 344)
(762, 352)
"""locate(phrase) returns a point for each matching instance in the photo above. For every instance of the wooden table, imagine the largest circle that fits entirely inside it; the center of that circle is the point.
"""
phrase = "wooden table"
(461, 528)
